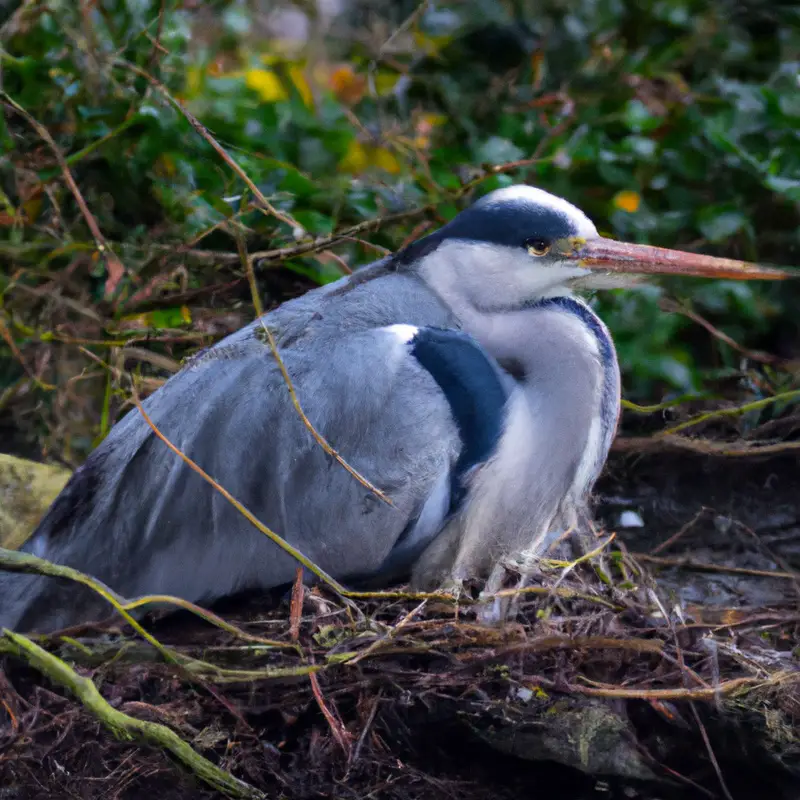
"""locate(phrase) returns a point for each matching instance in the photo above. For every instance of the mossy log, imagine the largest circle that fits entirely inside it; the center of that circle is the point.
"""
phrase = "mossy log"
(27, 489)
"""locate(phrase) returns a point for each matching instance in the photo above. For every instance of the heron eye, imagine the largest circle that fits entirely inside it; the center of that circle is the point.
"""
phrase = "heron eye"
(537, 247)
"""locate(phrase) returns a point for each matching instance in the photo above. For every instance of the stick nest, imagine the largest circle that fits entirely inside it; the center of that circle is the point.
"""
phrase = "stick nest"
(598, 673)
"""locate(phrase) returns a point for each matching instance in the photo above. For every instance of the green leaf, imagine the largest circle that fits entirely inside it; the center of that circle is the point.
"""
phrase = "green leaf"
(639, 118)
(314, 222)
(716, 226)
(496, 150)
(788, 187)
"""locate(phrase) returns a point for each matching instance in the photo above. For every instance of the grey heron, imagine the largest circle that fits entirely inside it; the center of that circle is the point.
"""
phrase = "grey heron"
(460, 375)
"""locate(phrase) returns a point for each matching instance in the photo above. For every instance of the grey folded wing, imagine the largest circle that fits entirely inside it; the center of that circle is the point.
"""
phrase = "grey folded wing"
(139, 519)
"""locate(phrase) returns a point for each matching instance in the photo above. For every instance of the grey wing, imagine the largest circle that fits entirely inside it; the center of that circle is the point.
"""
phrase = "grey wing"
(141, 521)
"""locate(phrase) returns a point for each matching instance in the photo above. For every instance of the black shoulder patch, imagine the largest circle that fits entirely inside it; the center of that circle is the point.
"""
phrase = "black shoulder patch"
(472, 387)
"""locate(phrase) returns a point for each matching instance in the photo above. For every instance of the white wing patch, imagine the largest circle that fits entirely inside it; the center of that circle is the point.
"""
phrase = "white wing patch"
(405, 333)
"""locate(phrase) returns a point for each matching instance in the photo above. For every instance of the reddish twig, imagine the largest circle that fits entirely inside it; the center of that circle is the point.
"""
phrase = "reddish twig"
(296, 611)
(675, 536)
(113, 264)
(340, 733)
(670, 306)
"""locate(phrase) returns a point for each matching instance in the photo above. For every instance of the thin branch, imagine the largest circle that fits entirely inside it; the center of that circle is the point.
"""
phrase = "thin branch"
(156, 41)
(208, 616)
(645, 444)
(280, 254)
(731, 412)
(711, 754)
(726, 688)
(296, 608)
(340, 733)
(205, 134)
(566, 594)
(658, 407)
(15, 561)
(675, 536)
(754, 355)
(686, 563)
(112, 262)
(5, 334)
(393, 631)
(13, 23)
(320, 440)
(548, 643)
(247, 266)
(121, 725)
(409, 21)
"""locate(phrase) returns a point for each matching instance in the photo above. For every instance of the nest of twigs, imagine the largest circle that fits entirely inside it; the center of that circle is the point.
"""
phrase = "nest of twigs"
(408, 696)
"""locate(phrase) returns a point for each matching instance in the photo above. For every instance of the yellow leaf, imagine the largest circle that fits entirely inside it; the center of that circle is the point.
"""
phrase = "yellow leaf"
(26, 490)
(431, 45)
(432, 120)
(165, 165)
(32, 207)
(266, 83)
(298, 78)
(355, 160)
(321, 73)
(194, 81)
(383, 159)
(385, 83)
(628, 201)
(360, 157)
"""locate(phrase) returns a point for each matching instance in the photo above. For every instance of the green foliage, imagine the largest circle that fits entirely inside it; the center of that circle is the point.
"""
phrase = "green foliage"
(671, 122)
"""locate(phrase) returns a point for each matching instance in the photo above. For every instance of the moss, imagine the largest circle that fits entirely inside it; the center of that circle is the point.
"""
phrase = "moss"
(26, 491)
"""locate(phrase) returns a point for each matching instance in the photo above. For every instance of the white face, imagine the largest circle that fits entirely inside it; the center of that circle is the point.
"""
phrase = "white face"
(495, 277)
(502, 252)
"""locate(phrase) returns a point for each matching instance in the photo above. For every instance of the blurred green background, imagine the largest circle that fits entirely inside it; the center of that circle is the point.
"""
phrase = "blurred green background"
(671, 123)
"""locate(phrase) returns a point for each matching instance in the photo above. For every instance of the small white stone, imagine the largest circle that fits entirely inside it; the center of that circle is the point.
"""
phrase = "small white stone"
(524, 694)
(630, 519)
(562, 159)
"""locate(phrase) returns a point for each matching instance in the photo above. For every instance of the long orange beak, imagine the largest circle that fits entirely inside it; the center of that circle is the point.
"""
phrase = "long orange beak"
(611, 256)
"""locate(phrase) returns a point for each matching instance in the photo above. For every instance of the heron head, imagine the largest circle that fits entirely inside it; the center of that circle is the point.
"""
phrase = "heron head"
(519, 244)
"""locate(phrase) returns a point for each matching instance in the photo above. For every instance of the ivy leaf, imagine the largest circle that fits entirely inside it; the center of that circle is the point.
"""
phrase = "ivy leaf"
(716, 226)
